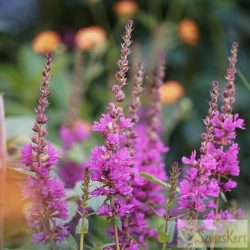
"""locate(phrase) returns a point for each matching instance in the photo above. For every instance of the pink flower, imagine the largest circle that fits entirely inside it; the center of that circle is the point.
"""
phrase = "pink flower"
(53, 155)
(26, 152)
(229, 185)
(185, 187)
(105, 210)
(104, 124)
(125, 122)
(193, 173)
(47, 194)
(213, 188)
(191, 160)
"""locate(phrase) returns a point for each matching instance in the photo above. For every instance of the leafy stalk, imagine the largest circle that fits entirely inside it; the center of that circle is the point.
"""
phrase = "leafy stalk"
(171, 197)
(85, 196)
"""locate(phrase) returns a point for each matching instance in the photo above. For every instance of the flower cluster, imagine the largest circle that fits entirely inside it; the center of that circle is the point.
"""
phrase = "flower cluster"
(129, 166)
(48, 210)
(148, 148)
(211, 173)
(130, 223)
(110, 163)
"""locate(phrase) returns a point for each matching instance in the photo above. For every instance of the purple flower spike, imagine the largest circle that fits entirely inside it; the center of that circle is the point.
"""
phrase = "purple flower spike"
(210, 174)
(48, 209)
(110, 163)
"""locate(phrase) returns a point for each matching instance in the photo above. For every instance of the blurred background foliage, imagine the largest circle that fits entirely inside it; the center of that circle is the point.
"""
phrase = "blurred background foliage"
(196, 36)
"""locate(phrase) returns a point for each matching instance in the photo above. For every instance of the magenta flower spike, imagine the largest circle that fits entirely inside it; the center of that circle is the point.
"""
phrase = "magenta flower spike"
(148, 149)
(110, 163)
(211, 172)
(224, 148)
(128, 224)
(48, 209)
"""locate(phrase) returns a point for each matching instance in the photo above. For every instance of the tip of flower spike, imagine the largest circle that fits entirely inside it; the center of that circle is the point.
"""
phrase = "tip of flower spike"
(235, 45)
(215, 83)
(49, 56)
(130, 22)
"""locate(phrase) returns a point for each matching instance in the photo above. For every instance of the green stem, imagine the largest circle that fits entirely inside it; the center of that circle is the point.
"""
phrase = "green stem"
(216, 215)
(82, 241)
(117, 242)
(164, 245)
(52, 244)
(82, 234)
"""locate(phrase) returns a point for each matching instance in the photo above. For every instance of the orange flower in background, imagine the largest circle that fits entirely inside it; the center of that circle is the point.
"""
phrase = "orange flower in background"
(46, 41)
(188, 31)
(90, 37)
(171, 92)
(14, 219)
(126, 7)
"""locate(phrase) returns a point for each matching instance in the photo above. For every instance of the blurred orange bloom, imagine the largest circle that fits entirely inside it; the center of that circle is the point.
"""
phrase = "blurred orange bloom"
(188, 31)
(171, 92)
(46, 41)
(126, 7)
(90, 37)
(14, 219)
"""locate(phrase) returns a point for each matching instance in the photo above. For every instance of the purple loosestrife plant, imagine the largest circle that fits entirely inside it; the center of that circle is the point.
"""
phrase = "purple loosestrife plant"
(48, 209)
(110, 163)
(211, 173)
(128, 222)
(171, 198)
(134, 106)
(148, 158)
(196, 187)
(223, 147)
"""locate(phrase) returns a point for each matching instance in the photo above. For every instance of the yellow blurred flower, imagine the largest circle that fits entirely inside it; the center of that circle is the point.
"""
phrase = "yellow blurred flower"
(126, 7)
(171, 92)
(90, 37)
(46, 41)
(188, 31)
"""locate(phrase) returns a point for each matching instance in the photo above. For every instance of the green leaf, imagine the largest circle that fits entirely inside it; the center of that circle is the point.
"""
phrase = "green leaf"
(72, 243)
(107, 245)
(93, 202)
(72, 210)
(223, 196)
(83, 226)
(19, 126)
(244, 80)
(163, 237)
(171, 229)
(118, 222)
(155, 180)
